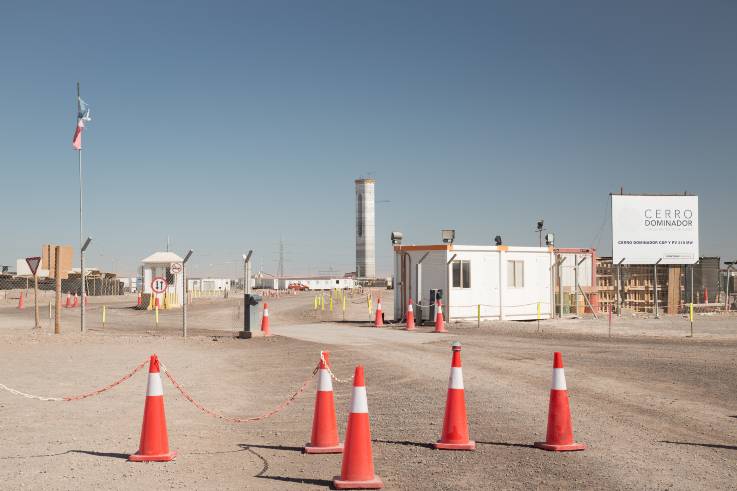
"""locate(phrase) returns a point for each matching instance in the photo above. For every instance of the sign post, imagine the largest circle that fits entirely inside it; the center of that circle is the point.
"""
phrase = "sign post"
(185, 298)
(33, 263)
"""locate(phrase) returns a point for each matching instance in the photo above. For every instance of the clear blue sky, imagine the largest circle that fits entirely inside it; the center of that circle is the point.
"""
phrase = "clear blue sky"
(229, 124)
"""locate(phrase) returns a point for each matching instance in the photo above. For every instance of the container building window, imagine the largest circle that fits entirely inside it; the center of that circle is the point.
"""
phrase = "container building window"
(461, 274)
(515, 274)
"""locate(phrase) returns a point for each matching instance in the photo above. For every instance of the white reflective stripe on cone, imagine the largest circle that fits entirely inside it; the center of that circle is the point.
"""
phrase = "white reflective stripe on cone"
(559, 379)
(455, 381)
(154, 385)
(359, 404)
(409, 308)
(266, 312)
(324, 384)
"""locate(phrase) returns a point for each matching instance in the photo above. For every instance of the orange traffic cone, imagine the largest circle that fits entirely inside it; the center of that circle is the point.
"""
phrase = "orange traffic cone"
(86, 298)
(455, 422)
(154, 446)
(21, 302)
(410, 317)
(357, 471)
(379, 319)
(265, 321)
(439, 321)
(140, 301)
(68, 304)
(157, 303)
(560, 429)
(324, 425)
(76, 301)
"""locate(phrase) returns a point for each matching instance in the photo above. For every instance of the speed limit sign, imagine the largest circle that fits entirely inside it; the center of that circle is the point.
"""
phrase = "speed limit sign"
(159, 284)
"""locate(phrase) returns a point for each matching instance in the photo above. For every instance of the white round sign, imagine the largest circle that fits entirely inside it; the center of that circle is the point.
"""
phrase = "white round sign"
(175, 268)
(159, 284)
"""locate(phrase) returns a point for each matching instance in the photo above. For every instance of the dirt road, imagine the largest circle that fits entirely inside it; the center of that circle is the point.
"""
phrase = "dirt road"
(655, 411)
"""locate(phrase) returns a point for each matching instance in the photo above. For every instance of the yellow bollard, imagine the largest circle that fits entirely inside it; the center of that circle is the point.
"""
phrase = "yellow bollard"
(150, 302)
(344, 304)
(690, 317)
(538, 316)
(331, 301)
(104, 312)
(478, 316)
(322, 302)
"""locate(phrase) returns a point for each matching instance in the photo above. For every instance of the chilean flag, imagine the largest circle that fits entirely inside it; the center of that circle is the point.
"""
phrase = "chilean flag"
(83, 114)
(77, 140)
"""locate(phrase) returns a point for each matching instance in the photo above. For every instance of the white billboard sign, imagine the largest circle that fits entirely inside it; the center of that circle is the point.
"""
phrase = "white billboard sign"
(646, 229)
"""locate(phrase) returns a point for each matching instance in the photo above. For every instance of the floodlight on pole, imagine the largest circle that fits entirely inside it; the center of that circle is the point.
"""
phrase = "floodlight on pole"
(448, 235)
(86, 244)
(247, 272)
(540, 231)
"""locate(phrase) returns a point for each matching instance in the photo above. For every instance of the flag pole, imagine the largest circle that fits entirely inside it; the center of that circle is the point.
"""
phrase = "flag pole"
(81, 233)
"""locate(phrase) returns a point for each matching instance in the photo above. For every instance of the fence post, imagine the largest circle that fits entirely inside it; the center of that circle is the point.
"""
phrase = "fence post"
(57, 288)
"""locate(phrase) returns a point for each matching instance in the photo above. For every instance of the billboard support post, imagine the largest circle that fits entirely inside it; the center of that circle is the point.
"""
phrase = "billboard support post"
(619, 289)
(655, 287)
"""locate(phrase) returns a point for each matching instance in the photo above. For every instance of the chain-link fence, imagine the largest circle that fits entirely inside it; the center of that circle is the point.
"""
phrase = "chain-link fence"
(665, 288)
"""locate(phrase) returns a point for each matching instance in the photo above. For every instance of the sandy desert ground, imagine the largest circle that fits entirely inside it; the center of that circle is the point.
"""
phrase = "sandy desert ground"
(656, 409)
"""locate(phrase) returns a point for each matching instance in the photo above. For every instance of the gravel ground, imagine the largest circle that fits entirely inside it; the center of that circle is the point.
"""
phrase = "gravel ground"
(655, 408)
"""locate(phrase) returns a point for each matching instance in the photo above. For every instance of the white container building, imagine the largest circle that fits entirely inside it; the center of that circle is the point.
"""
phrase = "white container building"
(208, 284)
(311, 282)
(505, 283)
